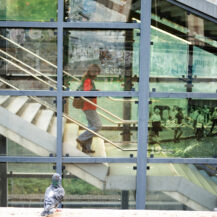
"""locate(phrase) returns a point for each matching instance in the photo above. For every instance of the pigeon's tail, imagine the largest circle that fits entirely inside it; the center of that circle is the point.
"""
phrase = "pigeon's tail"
(49, 208)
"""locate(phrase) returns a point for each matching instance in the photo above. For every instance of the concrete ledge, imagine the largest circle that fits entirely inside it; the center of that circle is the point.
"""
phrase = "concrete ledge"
(33, 212)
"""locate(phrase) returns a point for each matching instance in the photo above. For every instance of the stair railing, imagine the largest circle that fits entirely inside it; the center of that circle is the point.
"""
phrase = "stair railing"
(54, 87)
(47, 105)
(121, 121)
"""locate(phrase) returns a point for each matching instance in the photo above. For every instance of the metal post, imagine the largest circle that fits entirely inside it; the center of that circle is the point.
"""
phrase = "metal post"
(59, 86)
(3, 174)
(190, 69)
(189, 84)
(127, 83)
(143, 103)
(2, 46)
(125, 199)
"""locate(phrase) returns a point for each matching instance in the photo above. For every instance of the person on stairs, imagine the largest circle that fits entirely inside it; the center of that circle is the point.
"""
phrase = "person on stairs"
(94, 122)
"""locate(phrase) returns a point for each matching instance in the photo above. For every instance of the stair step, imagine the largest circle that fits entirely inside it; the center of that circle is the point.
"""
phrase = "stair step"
(3, 99)
(16, 104)
(30, 111)
(203, 180)
(99, 147)
(43, 119)
(179, 170)
(26, 134)
(209, 180)
(70, 147)
(214, 179)
(69, 140)
(53, 128)
(192, 175)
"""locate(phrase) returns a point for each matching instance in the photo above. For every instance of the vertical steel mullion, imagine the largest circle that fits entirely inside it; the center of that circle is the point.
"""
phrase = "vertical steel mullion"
(143, 103)
(59, 86)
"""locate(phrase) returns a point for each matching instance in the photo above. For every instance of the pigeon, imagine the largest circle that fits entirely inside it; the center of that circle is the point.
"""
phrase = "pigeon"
(53, 195)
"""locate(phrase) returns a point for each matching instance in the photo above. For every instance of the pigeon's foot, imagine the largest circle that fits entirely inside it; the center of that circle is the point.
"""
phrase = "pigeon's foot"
(47, 213)
(43, 213)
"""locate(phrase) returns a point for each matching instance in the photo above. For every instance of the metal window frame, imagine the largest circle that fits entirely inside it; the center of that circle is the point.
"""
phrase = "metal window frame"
(143, 95)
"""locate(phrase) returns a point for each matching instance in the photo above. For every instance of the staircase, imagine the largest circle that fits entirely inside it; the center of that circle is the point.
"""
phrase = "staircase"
(33, 126)
(190, 186)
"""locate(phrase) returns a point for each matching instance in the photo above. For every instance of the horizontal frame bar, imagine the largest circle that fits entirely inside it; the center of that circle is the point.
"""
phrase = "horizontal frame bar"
(101, 25)
(21, 159)
(72, 25)
(21, 24)
(183, 160)
(28, 93)
(102, 93)
(68, 93)
(98, 160)
(67, 160)
(183, 95)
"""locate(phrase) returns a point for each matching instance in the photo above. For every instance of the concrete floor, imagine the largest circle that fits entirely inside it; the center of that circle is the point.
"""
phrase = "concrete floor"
(33, 212)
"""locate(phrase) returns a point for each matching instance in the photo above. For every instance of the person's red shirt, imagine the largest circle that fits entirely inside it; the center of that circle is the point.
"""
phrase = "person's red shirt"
(87, 86)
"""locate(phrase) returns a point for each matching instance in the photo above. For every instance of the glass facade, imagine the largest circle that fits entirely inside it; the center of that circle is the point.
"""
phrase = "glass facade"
(101, 10)
(117, 96)
(195, 178)
(22, 10)
(116, 52)
(29, 124)
(183, 128)
(115, 137)
(28, 59)
(183, 56)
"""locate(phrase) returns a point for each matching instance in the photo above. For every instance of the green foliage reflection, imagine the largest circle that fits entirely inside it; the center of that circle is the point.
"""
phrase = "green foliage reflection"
(28, 10)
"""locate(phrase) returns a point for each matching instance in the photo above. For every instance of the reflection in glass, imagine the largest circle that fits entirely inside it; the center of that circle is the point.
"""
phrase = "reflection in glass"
(97, 188)
(28, 126)
(24, 182)
(117, 136)
(115, 52)
(31, 10)
(183, 128)
(102, 10)
(183, 50)
(181, 187)
(28, 59)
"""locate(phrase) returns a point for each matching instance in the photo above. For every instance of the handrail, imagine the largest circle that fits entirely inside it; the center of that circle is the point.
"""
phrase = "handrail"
(122, 100)
(28, 66)
(51, 64)
(14, 64)
(54, 87)
(68, 118)
(50, 80)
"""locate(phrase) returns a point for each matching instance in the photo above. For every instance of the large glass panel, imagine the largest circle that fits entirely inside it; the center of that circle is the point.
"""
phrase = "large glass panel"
(183, 128)
(28, 58)
(113, 125)
(183, 50)
(24, 184)
(92, 186)
(181, 187)
(115, 52)
(28, 10)
(28, 126)
(102, 10)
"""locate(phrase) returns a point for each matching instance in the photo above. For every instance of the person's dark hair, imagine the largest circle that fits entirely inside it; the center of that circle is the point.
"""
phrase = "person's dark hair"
(92, 71)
